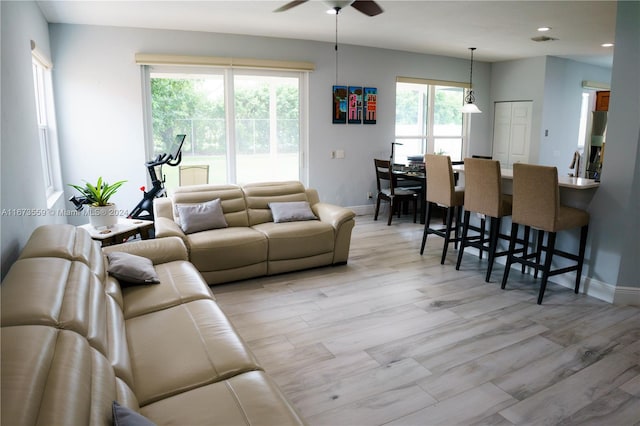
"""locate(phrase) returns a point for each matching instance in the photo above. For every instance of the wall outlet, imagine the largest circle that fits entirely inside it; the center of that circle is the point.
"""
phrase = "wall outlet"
(369, 195)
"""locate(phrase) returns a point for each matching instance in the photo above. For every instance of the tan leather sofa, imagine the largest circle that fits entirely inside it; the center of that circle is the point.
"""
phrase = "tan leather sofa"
(253, 245)
(74, 340)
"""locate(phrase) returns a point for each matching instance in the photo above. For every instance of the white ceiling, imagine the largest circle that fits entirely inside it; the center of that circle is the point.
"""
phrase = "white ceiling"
(500, 30)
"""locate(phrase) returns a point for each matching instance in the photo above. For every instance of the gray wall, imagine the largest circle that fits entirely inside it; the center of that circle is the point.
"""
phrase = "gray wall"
(521, 80)
(562, 103)
(554, 85)
(615, 207)
(22, 183)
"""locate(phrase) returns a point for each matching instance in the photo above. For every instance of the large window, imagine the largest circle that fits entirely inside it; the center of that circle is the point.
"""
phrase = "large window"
(428, 119)
(246, 125)
(45, 117)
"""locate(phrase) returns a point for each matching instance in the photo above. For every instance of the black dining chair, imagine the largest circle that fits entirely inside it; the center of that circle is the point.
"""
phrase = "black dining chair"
(388, 191)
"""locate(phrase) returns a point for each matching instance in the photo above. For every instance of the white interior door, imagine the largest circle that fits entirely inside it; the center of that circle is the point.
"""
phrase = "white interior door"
(512, 132)
(502, 132)
(520, 132)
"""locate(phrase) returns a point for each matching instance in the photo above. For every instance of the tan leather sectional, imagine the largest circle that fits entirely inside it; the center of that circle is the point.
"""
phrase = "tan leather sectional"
(253, 245)
(74, 340)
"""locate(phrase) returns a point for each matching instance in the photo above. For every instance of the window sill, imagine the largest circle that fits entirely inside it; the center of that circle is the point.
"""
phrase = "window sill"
(53, 199)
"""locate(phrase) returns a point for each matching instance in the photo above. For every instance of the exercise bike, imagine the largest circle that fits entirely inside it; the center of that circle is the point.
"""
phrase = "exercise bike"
(144, 209)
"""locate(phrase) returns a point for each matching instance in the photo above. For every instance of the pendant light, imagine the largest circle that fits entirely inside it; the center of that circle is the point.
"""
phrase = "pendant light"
(337, 10)
(469, 100)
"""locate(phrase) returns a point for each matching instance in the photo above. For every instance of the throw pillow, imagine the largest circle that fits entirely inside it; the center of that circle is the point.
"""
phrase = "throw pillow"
(131, 268)
(202, 216)
(291, 211)
(123, 416)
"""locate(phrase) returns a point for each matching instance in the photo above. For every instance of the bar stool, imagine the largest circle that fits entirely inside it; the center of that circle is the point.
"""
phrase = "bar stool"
(441, 191)
(483, 195)
(536, 204)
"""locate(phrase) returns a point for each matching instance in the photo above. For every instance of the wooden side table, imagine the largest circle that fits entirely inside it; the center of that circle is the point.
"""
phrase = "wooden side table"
(119, 232)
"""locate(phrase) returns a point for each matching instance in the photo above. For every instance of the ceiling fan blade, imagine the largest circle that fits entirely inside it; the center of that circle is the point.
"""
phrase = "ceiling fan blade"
(368, 7)
(290, 5)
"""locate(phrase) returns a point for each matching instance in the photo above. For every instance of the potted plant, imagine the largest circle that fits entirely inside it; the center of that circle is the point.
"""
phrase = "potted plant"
(102, 213)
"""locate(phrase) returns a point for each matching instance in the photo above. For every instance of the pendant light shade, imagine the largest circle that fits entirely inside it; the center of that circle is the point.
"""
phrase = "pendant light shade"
(470, 108)
(469, 101)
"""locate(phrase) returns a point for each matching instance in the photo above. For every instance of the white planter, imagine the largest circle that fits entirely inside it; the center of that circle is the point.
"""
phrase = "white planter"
(103, 216)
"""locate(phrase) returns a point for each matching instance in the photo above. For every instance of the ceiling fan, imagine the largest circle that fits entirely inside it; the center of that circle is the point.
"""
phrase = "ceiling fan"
(368, 7)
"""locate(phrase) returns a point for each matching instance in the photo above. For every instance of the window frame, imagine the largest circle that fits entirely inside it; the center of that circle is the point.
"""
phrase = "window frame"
(46, 125)
(428, 137)
(228, 73)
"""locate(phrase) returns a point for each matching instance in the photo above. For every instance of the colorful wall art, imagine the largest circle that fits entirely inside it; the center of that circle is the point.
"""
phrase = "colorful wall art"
(339, 104)
(354, 108)
(370, 101)
(354, 105)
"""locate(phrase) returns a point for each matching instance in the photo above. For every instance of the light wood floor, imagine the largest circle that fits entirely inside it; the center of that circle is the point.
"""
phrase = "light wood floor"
(396, 338)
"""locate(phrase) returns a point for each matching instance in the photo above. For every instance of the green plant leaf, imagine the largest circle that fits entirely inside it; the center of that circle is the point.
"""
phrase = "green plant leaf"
(99, 194)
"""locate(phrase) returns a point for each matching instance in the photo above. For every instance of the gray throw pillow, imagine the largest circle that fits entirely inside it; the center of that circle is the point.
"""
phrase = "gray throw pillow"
(123, 416)
(202, 216)
(131, 268)
(291, 211)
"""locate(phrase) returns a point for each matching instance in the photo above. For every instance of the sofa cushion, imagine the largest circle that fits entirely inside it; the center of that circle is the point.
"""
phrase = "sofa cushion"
(58, 293)
(250, 398)
(180, 282)
(231, 197)
(201, 216)
(291, 211)
(132, 269)
(227, 248)
(54, 377)
(65, 242)
(183, 347)
(259, 195)
(293, 240)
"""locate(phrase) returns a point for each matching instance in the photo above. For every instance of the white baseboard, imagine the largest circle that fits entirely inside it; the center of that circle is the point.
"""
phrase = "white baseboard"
(589, 286)
(610, 293)
(367, 209)
(627, 296)
(617, 295)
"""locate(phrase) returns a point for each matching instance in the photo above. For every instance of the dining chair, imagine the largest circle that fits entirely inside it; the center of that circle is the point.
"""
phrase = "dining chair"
(441, 191)
(193, 175)
(388, 191)
(401, 182)
(536, 205)
(483, 195)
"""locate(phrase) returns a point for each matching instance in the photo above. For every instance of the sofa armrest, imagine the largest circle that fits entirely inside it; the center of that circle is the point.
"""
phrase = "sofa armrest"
(159, 250)
(167, 228)
(343, 220)
(335, 215)
(164, 224)
(163, 207)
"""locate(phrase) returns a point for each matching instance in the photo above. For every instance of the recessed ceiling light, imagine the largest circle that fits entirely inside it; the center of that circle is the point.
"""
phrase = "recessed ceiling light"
(607, 45)
(543, 29)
